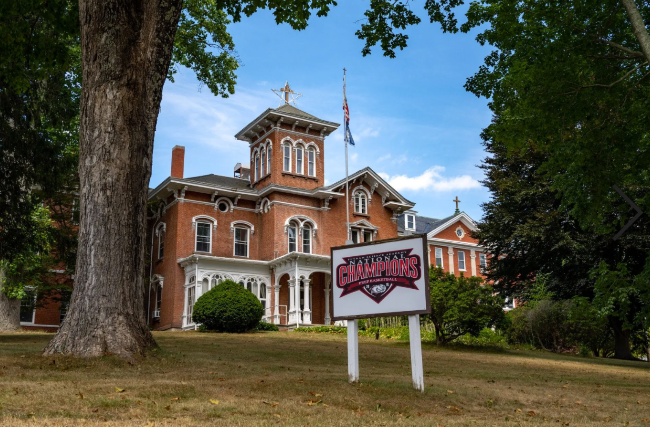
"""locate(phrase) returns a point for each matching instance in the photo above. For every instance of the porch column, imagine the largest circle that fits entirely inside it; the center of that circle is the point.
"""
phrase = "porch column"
(450, 252)
(276, 313)
(473, 258)
(184, 321)
(328, 281)
(292, 301)
(306, 314)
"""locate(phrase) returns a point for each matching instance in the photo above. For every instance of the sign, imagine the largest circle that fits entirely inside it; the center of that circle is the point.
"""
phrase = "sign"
(383, 278)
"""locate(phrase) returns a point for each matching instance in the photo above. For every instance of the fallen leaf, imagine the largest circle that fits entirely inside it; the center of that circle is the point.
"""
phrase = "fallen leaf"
(453, 408)
(578, 402)
(313, 402)
(260, 381)
(139, 403)
(214, 402)
(646, 420)
(532, 413)
(276, 415)
(96, 410)
(451, 392)
(221, 379)
(119, 390)
(517, 410)
(175, 399)
(167, 407)
(81, 396)
(271, 404)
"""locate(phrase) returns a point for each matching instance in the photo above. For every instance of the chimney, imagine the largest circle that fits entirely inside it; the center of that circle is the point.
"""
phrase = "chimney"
(178, 161)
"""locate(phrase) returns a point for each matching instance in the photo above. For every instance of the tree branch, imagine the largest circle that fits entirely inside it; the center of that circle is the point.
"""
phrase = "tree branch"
(619, 80)
(634, 53)
(638, 26)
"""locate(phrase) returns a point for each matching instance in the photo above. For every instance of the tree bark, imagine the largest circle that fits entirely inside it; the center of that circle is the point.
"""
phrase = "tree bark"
(621, 341)
(126, 50)
(9, 310)
(638, 26)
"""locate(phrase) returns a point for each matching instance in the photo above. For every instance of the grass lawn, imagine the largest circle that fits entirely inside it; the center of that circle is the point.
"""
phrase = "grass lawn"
(281, 378)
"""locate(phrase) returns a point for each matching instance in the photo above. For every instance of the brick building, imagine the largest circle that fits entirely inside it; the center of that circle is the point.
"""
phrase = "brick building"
(271, 225)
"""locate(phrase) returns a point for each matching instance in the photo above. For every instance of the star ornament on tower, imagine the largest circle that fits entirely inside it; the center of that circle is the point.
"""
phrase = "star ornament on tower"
(286, 94)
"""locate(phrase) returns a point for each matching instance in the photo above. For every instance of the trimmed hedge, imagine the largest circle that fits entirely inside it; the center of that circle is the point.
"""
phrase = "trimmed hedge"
(228, 307)
(264, 326)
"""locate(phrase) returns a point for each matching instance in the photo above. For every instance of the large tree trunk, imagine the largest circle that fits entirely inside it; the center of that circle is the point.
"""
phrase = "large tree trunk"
(621, 340)
(126, 51)
(638, 26)
(9, 310)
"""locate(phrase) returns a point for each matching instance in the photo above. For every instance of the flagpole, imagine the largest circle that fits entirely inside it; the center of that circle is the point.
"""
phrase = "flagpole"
(347, 197)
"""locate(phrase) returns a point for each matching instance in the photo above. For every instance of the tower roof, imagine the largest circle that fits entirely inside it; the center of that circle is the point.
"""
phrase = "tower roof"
(287, 114)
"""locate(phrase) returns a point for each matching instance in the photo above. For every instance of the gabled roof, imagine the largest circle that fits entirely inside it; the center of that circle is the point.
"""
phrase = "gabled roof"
(449, 221)
(290, 109)
(370, 175)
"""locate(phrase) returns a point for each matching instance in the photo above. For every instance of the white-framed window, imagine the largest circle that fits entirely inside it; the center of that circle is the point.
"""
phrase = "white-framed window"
(161, 243)
(256, 287)
(203, 236)
(299, 160)
(28, 307)
(439, 262)
(241, 241)
(367, 236)
(355, 235)
(158, 297)
(482, 262)
(306, 239)
(217, 279)
(205, 285)
(263, 162)
(311, 162)
(257, 167)
(509, 303)
(461, 260)
(262, 295)
(292, 235)
(268, 160)
(286, 153)
(191, 295)
(360, 202)
(409, 222)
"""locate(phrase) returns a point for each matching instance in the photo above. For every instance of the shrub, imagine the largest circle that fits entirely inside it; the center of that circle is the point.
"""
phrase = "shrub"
(228, 307)
(263, 326)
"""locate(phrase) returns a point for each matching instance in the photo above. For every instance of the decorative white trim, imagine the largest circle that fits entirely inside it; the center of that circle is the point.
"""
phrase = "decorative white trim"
(161, 226)
(244, 223)
(265, 205)
(301, 220)
(363, 189)
(205, 218)
(463, 217)
(223, 199)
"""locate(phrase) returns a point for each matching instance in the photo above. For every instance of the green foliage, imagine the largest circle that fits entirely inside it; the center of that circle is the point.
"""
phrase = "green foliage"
(461, 305)
(40, 86)
(323, 329)
(228, 307)
(264, 326)
(29, 267)
(486, 338)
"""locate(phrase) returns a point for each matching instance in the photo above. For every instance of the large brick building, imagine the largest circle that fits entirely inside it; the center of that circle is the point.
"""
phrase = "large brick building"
(271, 225)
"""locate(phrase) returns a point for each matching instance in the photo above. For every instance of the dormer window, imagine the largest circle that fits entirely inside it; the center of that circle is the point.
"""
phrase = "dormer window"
(286, 148)
(360, 203)
(299, 165)
(409, 222)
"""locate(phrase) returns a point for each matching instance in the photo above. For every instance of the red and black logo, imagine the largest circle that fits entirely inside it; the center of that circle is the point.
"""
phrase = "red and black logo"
(376, 275)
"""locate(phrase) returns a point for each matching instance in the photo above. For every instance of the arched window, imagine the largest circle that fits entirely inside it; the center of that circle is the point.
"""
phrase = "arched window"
(263, 162)
(242, 236)
(257, 167)
(203, 236)
(360, 203)
(263, 294)
(292, 232)
(286, 149)
(204, 285)
(268, 160)
(217, 279)
(299, 159)
(306, 239)
(311, 162)
(161, 244)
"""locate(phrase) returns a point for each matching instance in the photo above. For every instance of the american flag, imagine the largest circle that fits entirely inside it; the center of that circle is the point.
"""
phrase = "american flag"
(346, 129)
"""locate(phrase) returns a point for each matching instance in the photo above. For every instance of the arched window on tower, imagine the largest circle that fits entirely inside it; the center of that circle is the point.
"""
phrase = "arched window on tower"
(268, 160)
(257, 167)
(311, 162)
(306, 238)
(263, 163)
(286, 153)
(292, 233)
(360, 203)
(299, 160)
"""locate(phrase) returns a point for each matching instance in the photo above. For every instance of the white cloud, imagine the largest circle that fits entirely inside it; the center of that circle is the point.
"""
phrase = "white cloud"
(431, 180)
(382, 158)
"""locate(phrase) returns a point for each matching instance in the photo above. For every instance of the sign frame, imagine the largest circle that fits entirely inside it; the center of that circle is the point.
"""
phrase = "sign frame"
(425, 277)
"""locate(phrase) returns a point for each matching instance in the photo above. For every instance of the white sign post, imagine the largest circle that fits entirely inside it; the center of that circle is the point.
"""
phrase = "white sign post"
(382, 278)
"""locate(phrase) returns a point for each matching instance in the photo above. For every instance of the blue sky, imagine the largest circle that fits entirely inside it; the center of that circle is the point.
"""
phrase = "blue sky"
(411, 118)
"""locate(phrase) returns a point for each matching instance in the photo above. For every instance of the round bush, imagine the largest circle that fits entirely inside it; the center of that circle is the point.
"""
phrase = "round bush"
(228, 307)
